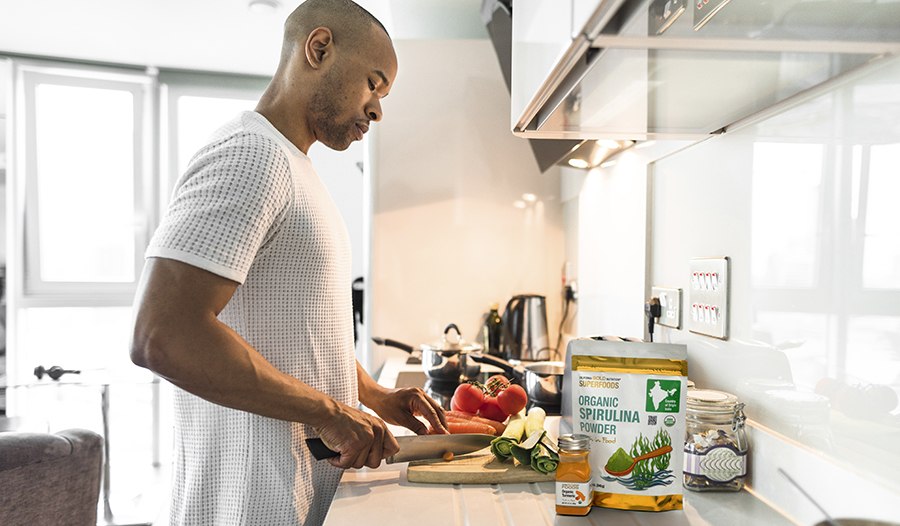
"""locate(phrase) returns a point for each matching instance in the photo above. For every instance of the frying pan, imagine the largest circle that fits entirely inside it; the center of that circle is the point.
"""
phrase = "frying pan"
(542, 381)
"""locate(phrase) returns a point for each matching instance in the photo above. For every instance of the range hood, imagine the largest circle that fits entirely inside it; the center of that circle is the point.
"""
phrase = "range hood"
(497, 16)
(673, 69)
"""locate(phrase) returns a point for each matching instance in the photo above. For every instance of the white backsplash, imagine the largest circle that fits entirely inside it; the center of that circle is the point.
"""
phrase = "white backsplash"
(452, 228)
(803, 205)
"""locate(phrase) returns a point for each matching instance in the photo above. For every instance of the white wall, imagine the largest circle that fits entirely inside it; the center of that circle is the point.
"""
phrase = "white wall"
(802, 204)
(447, 238)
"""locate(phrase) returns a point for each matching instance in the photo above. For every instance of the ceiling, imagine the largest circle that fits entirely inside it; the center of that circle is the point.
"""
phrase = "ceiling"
(204, 35)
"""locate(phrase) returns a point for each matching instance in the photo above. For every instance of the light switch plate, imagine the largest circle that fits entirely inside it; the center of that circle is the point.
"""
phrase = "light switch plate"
(670, 306)
(709, 309)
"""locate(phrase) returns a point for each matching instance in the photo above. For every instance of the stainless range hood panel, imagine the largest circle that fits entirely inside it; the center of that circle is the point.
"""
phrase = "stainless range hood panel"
(547, 152)
(688, 84)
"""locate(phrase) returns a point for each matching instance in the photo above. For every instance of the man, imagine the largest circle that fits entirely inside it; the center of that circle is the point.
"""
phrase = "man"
(245, 300)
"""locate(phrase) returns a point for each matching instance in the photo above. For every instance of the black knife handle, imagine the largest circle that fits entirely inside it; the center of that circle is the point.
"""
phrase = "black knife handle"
(319, 450)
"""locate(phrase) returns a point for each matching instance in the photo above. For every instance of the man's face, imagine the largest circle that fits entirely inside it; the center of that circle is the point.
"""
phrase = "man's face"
(349, 96)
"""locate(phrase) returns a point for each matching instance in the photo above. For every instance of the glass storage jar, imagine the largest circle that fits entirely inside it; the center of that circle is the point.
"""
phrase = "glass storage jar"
(573, 475)
(715, 445)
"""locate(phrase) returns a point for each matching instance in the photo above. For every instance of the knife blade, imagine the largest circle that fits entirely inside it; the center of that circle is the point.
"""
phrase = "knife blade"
(416, 447)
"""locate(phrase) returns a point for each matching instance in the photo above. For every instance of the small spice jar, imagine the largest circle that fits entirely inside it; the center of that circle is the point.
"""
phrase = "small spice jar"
(715, 445)
(573, 475)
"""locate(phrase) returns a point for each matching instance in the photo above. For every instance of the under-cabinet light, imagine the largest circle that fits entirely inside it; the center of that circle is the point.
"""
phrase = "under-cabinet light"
(578, 163)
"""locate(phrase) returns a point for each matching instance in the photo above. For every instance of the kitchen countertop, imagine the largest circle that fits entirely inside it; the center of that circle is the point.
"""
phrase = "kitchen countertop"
(384, 496)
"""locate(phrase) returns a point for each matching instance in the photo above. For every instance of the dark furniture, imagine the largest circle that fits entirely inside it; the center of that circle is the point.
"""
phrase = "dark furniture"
(49, 479)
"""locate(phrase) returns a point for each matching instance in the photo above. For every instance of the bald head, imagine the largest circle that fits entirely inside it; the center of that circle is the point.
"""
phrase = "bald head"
(350, 24)
(336, 65)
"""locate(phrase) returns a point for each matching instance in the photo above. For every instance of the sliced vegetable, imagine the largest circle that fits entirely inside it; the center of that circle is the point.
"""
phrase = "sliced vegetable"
(536, 450)
(448, 456)
(460, 416)
(501, 446)
(535, 421)
(524, 450)
(513, 399)
(544, 459)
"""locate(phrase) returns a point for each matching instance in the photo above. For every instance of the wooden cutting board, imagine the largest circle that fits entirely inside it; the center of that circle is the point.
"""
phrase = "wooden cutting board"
(475, 468)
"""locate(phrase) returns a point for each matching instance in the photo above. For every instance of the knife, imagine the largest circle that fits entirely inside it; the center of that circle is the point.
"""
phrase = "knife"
(416, 447)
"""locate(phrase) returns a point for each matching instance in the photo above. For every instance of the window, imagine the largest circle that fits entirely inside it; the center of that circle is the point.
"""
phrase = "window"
(195, 105)
(881, 254)
(85, 146)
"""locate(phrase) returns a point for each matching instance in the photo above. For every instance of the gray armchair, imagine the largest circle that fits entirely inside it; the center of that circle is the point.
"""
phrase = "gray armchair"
(50, 479)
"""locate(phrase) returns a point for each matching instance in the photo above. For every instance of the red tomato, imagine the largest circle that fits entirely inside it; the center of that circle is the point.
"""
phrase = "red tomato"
(468, 398)
(496, 384)
(512, 399)
(491, 409)
(453, 406)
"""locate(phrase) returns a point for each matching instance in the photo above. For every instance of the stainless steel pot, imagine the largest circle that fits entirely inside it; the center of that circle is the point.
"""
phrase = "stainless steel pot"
(444, 361)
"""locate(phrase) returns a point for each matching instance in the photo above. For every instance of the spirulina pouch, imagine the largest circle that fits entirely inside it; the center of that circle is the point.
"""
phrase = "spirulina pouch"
(629, 398)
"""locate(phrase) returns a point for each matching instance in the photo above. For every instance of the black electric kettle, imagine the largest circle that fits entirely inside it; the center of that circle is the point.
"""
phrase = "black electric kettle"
(525, 334)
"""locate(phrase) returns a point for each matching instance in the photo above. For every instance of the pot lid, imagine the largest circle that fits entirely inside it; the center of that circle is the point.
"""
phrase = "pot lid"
(448, 345)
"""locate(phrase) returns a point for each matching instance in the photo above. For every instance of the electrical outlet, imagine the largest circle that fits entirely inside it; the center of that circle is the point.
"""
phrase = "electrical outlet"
(670, 306)
(709, 308)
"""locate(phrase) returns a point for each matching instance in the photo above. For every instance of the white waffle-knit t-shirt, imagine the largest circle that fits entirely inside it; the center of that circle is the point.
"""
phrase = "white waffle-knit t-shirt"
(251, 208)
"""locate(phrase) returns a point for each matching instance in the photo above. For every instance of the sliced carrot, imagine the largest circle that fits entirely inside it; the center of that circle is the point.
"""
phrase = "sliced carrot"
(448, 456)
(459, 416)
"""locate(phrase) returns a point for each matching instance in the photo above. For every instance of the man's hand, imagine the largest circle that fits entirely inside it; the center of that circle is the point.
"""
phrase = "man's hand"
(402, 406)
(360, 438)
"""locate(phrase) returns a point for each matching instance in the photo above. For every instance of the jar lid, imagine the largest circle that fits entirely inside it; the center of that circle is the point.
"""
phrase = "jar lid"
(710, 401)
(574, 442)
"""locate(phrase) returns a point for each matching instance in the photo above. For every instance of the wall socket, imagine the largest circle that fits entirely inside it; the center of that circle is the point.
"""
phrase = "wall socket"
(669, 305)
(709, 307)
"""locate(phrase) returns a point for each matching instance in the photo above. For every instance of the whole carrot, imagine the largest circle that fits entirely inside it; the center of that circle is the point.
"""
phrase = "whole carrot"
(459, 428)
(459, 416)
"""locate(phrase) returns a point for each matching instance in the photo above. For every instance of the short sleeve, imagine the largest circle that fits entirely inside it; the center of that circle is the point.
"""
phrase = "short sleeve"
(228, 204)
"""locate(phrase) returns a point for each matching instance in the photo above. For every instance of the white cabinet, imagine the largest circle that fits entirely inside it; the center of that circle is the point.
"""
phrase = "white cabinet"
(666, 69)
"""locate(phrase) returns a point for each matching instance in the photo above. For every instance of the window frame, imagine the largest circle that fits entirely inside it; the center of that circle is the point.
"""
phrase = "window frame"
(175, 84)
(30, 289)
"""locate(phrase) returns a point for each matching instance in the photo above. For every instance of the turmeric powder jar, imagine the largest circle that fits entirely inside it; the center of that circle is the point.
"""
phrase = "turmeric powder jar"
(573, 476)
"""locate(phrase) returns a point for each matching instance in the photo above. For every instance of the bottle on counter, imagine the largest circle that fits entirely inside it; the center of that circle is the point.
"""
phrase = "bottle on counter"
(573, 476)
(715, 445)
(492, 331)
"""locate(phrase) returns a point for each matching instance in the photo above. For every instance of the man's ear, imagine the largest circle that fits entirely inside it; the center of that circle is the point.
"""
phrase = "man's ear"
(319, 47)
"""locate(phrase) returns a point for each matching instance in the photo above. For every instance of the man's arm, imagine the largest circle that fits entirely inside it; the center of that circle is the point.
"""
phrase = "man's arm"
(178, 336)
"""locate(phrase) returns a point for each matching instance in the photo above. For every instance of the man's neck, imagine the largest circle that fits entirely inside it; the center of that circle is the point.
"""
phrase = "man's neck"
(290, 122)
